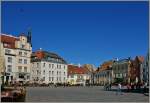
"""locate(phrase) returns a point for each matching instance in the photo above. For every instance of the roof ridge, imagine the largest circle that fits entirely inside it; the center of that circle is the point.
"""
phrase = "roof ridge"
(9, 35)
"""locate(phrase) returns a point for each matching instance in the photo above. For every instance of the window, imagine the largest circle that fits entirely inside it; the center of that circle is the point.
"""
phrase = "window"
(25, 61)
(64, 78)
(49, 58)
(43, 64)
(49, 73)
(28, 77)
(19, 69)
(20, 60)
(37, 65)
(43, 78)
(124, 74)
(25, 53)
(43, 72)
(20, 53)
(60, 73)
(120, 75)
(52, 72)
(10, 59)
(57, 78)
(52, 78)
(7, 51)
(25, 69)
(9, 68)
(57, 72)
(59, 66)
(64, 66)
(64, 73)
(49, 78)
(49, 65)
(52, 65)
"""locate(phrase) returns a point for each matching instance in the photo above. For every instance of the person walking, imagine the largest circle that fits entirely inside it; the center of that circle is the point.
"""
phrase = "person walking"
(145, 85)
(119, 89)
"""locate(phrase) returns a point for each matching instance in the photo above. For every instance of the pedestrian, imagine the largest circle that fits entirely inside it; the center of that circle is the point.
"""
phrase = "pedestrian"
(132, 86)
(110, 86)
(128, 87)
(119, 89)
(145, 85)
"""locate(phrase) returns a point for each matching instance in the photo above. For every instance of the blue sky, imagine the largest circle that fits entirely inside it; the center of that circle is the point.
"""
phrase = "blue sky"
(81, 32)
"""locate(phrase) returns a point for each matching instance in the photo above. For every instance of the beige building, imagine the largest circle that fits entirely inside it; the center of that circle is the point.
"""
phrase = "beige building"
(2, 63)
(104, 73)
(23, 54)
(77, 75)
(89, 68)
(16, 53)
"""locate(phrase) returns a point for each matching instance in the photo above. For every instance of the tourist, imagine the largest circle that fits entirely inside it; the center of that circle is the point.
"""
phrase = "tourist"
(119, 89)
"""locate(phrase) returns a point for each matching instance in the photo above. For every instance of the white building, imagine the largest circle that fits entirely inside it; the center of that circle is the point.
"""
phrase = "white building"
(12, 47)
(48, 67)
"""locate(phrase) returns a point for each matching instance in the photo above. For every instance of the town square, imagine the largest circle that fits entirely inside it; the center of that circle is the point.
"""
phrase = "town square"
(74, 51)
(80, 94)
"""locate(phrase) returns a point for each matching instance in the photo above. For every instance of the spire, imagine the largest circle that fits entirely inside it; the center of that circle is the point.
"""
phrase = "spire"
(29, 37)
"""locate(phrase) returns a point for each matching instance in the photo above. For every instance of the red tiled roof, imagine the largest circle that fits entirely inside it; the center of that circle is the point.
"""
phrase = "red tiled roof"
(39, 54)
(72, 69)
(8, 40)
(105, 65)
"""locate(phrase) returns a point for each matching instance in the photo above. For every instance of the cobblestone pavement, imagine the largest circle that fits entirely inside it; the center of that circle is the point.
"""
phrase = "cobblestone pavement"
(80, 94)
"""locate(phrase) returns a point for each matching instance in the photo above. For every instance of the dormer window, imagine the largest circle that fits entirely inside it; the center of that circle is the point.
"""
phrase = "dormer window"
(49, 58)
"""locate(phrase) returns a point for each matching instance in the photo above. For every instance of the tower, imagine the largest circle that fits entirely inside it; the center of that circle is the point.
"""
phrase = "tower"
(29, 37)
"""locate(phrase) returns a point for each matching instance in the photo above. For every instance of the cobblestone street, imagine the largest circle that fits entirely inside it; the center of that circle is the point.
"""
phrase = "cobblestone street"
(80, 94)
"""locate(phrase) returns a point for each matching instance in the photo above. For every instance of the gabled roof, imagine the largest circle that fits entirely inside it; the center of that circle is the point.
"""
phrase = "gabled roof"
(106, 65)
(72, 69)
(8, 40)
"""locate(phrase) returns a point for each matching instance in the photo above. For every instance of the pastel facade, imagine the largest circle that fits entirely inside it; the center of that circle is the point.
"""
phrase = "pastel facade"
(89, 68)
(77, 75)
(11, 47)
(104, 73)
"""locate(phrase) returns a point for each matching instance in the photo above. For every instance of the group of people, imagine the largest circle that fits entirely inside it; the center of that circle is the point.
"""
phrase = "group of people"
(138, 87)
